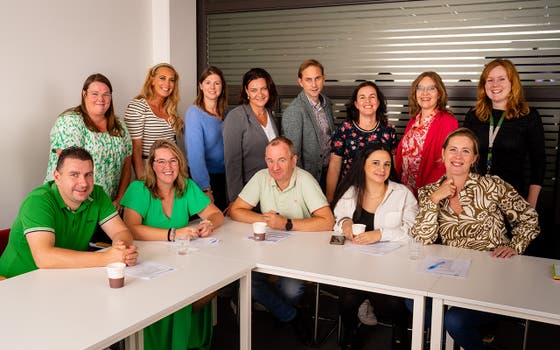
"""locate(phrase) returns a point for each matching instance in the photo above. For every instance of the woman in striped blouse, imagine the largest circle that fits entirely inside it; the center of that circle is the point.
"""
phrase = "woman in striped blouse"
(153, 115)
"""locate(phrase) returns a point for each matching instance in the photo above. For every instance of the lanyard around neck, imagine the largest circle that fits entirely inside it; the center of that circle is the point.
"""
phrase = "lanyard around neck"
(491, 137)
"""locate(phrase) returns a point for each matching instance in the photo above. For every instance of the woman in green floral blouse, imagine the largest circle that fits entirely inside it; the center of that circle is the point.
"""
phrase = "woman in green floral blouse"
(94, 126)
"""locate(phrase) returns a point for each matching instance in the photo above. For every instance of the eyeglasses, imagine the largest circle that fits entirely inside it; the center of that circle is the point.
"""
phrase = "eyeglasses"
(96, 95)
(430, 88)
(173, 162)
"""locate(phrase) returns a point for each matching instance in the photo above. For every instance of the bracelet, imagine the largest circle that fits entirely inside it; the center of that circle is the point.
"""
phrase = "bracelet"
(207, 190)
(170, 237)
(209, 222)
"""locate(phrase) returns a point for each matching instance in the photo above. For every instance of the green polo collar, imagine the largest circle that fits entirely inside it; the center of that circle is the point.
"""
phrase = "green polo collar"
(85, 204)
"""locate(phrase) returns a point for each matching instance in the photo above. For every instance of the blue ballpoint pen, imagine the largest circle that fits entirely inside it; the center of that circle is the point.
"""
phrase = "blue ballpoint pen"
(439, 263)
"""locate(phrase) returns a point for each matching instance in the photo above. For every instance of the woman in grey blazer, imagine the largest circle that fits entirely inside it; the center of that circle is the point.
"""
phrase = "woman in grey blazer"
(248, 128)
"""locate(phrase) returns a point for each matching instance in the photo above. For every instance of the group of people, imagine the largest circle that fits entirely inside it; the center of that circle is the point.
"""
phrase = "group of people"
(458, 186)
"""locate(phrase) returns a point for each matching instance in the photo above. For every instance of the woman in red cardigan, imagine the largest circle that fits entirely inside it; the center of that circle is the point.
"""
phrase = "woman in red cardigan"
(418, 158)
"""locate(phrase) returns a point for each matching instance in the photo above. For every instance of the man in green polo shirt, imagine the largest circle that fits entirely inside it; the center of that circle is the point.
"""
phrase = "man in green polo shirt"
(290, 199)
(56, 221)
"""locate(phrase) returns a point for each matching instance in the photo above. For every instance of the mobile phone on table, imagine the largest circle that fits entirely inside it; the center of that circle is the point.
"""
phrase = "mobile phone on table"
(337, 239)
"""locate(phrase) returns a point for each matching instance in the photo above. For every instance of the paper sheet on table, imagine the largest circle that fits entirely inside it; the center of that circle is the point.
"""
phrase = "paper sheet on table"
(379, 248)
(204, 242)
(445, 266)
(147, 270)
(273, 236)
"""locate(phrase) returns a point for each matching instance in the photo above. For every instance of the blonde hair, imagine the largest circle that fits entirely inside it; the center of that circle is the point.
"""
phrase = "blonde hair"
(171, 102)
(150, 179)
(516, 105)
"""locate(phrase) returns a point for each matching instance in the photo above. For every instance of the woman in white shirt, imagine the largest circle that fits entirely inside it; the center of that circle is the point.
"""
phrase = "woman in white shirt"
(388, 209)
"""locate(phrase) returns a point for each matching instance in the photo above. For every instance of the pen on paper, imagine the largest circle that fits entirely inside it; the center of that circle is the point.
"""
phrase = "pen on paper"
(439, 263)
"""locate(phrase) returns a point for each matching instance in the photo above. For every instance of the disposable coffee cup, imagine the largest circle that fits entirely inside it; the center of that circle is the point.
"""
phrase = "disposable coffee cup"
(259, 231)
(115, 272)
(358, 229)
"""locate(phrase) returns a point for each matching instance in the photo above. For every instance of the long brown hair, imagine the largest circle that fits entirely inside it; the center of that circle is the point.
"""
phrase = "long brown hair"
(221, 105)
(150, 179)
(114, 128)
(356, 176)
(171, 102)
(413, 106)
(516, 105)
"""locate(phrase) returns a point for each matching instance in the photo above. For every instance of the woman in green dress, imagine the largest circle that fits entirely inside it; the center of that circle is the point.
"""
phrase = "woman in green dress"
(158, 209)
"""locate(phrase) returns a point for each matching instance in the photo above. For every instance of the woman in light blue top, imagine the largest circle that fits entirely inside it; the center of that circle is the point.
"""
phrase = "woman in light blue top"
(203, 135)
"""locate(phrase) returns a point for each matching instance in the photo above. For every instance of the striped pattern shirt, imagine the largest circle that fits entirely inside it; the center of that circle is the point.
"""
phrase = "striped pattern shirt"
(143, 124)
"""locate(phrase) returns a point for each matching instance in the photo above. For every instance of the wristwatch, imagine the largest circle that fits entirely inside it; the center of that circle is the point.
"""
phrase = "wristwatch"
(289, 225)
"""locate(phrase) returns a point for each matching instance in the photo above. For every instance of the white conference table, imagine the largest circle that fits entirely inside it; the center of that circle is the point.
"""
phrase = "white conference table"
(521, 286)
(309, 256)
(76, 309)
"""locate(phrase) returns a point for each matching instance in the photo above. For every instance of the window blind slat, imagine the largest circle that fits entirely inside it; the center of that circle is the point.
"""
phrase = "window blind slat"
(399, 40)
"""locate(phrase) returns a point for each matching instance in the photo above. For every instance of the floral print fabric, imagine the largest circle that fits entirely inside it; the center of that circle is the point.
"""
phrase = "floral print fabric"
(349, 139)
(108, 152)
(412, 147)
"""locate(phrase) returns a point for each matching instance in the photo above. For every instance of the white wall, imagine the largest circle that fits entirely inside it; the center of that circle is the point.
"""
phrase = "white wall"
(183, 48)
(48, 48)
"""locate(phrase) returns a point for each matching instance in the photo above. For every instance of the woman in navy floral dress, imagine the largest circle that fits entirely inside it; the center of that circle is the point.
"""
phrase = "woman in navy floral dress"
(366, 123)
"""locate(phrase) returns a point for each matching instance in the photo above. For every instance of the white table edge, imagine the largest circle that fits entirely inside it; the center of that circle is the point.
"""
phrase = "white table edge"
(133, 330)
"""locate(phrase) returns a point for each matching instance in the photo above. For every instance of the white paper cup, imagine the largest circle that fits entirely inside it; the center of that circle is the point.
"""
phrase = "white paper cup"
(358, 229)
(259, 231)
(115, 273)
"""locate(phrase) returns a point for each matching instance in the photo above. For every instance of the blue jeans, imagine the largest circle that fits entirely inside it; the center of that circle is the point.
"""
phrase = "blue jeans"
(461, 324)
(278, 298)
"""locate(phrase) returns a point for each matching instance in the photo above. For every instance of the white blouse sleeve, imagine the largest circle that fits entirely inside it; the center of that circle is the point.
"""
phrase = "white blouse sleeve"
(344, 209)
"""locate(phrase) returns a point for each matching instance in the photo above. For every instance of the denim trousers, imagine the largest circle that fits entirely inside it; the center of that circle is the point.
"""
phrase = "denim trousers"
(461, 324)
(278, 297)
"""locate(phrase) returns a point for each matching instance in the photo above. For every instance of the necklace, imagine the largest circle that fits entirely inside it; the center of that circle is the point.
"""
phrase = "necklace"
(357, 124)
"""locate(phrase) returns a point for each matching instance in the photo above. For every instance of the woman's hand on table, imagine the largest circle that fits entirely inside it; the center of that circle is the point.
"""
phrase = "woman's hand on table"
(504, 252)
(190, 231)
(368, 237)
(347, 229)
(205, 228)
